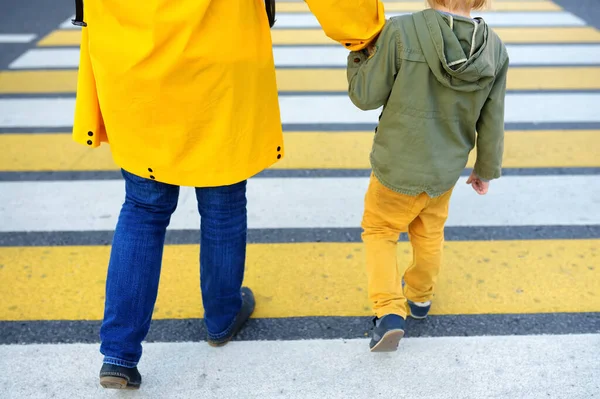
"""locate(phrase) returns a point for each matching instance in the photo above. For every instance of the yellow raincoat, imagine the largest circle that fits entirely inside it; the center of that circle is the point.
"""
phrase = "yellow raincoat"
(185, 90)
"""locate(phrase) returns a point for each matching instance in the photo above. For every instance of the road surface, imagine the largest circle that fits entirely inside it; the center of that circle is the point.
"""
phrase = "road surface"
(517, 309)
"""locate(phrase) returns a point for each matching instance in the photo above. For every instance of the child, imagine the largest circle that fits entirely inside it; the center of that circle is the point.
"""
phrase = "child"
(440, 76)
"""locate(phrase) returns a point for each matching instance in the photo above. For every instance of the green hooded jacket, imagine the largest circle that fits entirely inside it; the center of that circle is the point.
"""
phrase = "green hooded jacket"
(440, 79)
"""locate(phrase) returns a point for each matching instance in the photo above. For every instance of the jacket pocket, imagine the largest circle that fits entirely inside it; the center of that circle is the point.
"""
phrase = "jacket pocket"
(411, 55)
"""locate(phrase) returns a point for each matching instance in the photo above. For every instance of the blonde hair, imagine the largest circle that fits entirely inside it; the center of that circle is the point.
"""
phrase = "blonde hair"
(455, 4)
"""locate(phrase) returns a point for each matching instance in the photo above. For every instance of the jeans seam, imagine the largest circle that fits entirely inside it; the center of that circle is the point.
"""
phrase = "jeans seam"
(119, 362)
(227, 331)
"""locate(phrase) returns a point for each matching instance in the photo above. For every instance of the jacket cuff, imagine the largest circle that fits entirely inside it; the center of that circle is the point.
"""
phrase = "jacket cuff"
(487, 174)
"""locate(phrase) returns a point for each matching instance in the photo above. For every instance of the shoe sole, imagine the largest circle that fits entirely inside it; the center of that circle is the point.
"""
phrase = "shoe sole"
(418, 318)
(116, 383)
(389, 342)
(218, 344)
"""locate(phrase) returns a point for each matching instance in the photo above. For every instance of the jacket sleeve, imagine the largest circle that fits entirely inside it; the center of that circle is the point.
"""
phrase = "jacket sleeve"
(353, 23)
(370, 79)
(88, 124)
(490, 130)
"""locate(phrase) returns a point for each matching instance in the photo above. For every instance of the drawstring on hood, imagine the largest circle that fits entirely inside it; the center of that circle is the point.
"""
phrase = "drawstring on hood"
(457, 49)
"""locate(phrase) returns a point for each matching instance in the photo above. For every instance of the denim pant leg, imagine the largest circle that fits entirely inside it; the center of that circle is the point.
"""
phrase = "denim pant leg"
(222, 254)
(134, 268)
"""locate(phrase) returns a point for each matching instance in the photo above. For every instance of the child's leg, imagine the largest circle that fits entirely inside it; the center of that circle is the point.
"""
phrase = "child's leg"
(386, 215)
(426, 235)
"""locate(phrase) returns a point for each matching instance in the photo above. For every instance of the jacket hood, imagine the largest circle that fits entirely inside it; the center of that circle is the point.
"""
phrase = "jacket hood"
(458, 50)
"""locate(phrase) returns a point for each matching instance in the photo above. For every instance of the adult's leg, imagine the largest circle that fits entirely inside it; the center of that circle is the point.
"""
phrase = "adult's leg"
(134, 268)
(222, 254)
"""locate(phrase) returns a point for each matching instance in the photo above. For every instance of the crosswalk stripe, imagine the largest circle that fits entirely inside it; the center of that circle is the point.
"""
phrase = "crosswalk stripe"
(67, 283)
(15, 82)
(307, 150)
(315, 80)
(301, 7)
(578, 34)
(16, 37)
(324, 109)
(519, 108)
(525, 54)
(532, 367)
(329, 56)
(522, 260)
(303, 203)
(494, 19)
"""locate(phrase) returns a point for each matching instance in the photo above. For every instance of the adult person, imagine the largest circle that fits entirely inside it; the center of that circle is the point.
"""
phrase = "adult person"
(185, 93)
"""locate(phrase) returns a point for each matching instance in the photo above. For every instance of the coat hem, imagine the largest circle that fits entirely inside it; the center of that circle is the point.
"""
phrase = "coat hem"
(413, 191)
(191, 179)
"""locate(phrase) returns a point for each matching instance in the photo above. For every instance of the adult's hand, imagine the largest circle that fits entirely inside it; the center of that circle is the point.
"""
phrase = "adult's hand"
(353, 23)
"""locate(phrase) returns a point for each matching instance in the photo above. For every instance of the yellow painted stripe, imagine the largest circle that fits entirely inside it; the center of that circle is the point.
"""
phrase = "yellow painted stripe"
(551, 78)
(420, 5)
(328, 279)
(314, 150)
(317, 36)
(14, 82)
(306, 80)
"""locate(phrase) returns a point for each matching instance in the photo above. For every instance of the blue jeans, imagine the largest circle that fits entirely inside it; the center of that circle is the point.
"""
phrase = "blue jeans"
(136, 258)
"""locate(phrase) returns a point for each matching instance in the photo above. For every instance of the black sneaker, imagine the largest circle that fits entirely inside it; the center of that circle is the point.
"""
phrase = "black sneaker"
(248, 305)
(387, 333)
(118, 377)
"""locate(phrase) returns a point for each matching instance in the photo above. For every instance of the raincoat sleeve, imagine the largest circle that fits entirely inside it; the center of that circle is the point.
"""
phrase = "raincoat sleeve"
(88, 126)
(370, 79)
(353, 23)
(490, 130)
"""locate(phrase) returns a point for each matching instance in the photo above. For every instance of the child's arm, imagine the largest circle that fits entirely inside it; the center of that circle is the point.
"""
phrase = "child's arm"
(490, 130)
(370, 78)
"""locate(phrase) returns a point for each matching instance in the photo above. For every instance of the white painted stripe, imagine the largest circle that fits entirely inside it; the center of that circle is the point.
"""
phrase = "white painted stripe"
(526, 108)
(36, 112)
(532, 367)
(303, 203)
(336, 56)
(527, 54)
(16, 38)
(313, 109)
(494, 19)
(47, 58)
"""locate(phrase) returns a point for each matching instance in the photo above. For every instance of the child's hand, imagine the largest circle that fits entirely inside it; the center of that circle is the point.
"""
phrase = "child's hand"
(480, 186)
(371, 49)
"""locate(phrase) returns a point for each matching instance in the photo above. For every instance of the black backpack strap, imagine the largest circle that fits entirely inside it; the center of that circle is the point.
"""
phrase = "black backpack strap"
(270, 6)
(78, 21)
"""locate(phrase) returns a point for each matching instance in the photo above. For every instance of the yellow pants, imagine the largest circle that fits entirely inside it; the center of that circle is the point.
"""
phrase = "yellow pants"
(387, 214)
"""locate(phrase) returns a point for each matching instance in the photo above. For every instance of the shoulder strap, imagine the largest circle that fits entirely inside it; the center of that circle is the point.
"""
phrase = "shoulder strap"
(78, 21)
(270, 6)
